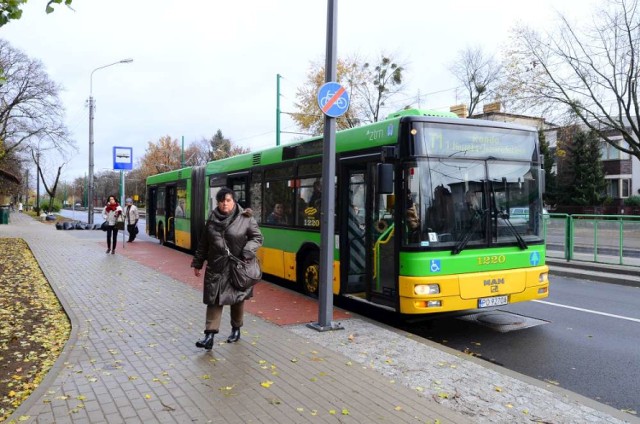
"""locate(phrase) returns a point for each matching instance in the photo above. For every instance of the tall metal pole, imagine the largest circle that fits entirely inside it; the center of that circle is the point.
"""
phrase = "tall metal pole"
(90, 186)
(122, 196)
(278, 109)
(26, 198)
(91, 114)
(182, 160)
(325, 313)
(38, 182)
(121, 188)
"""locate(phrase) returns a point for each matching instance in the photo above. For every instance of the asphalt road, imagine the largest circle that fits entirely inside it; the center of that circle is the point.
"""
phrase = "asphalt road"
(586, 340)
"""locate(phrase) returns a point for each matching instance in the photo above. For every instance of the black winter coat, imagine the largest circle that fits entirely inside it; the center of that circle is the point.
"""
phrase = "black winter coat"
(243, 238)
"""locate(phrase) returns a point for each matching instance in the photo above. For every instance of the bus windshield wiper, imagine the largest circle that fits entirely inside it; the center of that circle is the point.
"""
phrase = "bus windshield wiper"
(505, 217)
(477, 220)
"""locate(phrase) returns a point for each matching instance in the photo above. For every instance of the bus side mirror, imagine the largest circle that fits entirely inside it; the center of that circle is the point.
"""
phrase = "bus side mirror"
(543, 176)
(385, 178)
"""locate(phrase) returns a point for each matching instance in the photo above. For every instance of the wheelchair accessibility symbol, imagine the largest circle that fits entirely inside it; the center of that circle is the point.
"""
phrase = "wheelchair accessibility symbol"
(435, 265)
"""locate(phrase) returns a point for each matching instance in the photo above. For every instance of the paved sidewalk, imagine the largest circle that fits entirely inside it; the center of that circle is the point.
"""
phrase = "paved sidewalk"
(131, 356)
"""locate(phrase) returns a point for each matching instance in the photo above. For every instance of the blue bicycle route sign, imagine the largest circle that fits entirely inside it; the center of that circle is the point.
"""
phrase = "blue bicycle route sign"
(333, 99)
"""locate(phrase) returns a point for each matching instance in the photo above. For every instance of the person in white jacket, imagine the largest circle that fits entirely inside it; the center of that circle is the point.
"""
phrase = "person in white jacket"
(112, 213)
(131, 217)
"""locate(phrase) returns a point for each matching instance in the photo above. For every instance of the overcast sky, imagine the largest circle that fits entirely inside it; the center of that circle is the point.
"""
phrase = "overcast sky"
(203, 65)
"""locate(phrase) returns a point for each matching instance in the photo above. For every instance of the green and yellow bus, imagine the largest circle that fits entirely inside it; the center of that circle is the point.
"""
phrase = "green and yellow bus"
(423, 203)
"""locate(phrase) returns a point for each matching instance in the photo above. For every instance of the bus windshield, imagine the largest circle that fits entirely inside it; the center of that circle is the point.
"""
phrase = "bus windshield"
(465, 200)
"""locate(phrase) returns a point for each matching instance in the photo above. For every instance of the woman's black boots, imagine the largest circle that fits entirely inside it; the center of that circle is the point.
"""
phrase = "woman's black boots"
(235, 335)
(207, 341)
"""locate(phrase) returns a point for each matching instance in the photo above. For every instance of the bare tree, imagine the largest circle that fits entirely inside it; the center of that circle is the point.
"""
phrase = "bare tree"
(30, 109)
(587, 75)
(381, 83)
(197, 153)
(478, 72)
(43, 167)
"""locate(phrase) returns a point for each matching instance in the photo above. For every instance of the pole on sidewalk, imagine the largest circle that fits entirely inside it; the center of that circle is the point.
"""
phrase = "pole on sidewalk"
(325, 299)
(122, 202)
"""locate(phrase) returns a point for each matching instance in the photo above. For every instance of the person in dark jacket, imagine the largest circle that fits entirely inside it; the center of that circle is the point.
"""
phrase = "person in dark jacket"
(229, 227)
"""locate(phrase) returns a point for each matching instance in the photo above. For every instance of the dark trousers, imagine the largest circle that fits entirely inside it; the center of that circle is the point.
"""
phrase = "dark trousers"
(131, 229)
(112, 230)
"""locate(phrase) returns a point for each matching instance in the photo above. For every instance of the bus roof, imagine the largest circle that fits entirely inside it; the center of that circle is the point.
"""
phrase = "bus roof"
(169, 176)
(376, 134)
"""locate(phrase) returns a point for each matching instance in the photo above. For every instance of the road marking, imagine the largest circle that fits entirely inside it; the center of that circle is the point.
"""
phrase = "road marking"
(588, 310)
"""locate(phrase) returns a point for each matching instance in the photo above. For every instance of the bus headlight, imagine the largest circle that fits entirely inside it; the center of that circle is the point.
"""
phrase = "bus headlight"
(424, 289)
(543, 277)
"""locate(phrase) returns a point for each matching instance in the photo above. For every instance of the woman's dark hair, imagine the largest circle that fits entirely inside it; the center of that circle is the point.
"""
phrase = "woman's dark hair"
(114, 198)
(220, 196)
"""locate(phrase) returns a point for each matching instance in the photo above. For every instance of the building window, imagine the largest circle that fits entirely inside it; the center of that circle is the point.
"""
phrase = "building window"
(618, 188)
(626, 188)
(610, 152)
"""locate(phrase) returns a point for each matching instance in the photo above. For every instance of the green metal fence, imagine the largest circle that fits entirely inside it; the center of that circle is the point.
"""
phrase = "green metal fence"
(609, 239)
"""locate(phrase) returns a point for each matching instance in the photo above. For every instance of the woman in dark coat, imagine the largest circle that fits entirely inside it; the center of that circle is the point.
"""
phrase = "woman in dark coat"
(229, 226)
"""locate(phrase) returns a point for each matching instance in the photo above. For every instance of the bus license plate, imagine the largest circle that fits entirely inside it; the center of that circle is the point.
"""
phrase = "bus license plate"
(487, 302)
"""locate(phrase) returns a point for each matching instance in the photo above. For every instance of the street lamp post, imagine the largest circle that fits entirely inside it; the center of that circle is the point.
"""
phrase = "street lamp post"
(91, 112)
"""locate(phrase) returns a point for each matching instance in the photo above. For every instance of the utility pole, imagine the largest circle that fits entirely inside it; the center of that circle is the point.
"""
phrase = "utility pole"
(278, 76)
(38, 182)
(26, 198)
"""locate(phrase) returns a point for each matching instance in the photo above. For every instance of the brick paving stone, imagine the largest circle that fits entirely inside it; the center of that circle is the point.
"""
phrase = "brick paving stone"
(131, 354)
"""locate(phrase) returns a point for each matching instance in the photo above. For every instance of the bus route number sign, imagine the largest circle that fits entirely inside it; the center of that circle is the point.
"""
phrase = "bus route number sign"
(333, 99)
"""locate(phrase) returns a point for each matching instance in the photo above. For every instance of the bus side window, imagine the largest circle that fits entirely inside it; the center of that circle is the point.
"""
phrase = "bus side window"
(256, 201)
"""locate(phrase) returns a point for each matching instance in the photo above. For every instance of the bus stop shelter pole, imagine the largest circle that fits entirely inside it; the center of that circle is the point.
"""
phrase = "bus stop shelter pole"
(325, 299)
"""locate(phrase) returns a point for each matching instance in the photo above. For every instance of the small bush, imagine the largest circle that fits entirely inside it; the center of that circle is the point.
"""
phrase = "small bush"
(632, 201)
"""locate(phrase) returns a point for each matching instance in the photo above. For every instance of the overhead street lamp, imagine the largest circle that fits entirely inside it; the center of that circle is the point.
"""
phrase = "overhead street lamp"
(91, 111)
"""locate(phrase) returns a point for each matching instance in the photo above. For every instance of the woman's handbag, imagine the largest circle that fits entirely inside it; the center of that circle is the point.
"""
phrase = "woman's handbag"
(104, 226)
(244, 275)
(120, 222)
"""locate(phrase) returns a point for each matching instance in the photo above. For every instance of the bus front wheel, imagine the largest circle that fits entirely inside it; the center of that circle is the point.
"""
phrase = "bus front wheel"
(311, 274)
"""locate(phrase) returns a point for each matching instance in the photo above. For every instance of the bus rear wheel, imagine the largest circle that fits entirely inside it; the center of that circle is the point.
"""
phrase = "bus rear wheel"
(310, 275)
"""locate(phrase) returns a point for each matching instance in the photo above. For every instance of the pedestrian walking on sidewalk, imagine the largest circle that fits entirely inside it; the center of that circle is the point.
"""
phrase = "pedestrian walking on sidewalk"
(230, 229)
(131, 218)
(112, 214)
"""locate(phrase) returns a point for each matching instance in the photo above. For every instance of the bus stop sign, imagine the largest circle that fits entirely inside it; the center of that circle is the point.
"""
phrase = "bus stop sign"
(333, 99)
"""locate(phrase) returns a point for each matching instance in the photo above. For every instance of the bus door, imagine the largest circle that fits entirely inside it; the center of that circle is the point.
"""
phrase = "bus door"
(151, 211)
(381, 241)
(367, 246)
(353, 250)
(171, 201)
